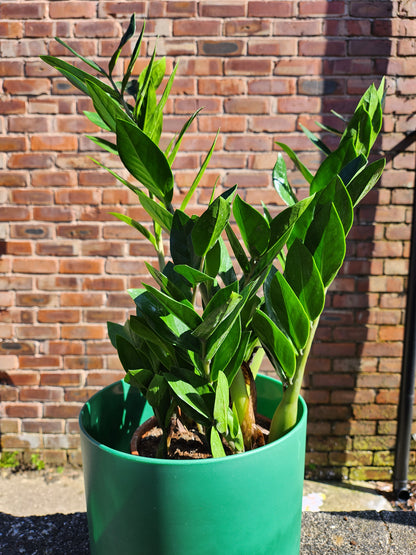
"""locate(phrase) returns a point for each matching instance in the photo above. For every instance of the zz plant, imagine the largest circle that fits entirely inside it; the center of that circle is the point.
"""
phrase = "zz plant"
(195, 344)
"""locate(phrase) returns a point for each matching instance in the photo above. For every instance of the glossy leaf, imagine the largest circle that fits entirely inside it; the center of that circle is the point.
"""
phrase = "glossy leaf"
(226, 350)
(189, 396)
(237, 249)
(337, 193)
(364, 181)
(280, 181)
(332, 165)
(132, 61)
(298, 164)
(279, 349)
(139, 378)
(145, 161)
(156, 211)
(222, 400)
(136, 225)
(254, 228)
(182, 310)
(193, 276)
(210, 225)
(304, 278)
(217, 448)
(316, 141)
(124, 39)
(75, 76)
(326, 241)
(90, 63)
(284, 307)
(106, 107)
(199, 175)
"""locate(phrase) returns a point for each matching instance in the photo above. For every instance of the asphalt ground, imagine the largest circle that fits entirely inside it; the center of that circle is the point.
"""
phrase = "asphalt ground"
(43, 513)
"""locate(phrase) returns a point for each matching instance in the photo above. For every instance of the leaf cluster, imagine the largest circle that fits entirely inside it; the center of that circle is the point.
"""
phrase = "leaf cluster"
(209, 309)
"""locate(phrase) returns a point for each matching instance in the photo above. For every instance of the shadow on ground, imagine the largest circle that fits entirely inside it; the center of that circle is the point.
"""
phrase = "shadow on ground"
(339, 533)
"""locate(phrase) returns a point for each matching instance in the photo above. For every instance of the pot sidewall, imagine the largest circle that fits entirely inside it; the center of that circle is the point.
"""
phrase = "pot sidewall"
(244, 504)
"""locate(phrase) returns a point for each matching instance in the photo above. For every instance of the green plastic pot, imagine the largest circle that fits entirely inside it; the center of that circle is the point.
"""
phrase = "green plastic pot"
(247, 504)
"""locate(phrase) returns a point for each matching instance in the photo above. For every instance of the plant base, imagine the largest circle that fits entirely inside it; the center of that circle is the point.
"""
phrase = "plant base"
(248, 503)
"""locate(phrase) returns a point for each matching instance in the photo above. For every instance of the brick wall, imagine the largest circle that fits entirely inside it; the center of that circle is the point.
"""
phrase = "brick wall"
(259, 69)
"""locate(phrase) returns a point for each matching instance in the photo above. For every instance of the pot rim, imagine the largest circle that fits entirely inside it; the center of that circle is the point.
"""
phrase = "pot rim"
(174, 462)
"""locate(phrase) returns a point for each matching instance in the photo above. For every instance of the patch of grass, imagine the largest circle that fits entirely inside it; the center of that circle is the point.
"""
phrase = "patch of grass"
(36, 462)
(9, 459)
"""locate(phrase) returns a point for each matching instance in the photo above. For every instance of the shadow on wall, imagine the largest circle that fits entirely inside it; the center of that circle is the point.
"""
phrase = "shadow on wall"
(343, 410)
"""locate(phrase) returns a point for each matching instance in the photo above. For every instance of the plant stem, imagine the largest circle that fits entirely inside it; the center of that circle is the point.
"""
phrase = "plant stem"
(285, 416)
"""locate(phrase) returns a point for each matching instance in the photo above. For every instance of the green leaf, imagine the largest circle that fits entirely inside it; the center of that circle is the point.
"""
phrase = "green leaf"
(236, 361)
(218, 309)
(298, 164)
(210, 225)
(217, 448)
(124, 39)
(128, 355)
(182, 310)
(254, 228)
(76, 76)
(133, 58)
(303, 276)
(145, 161)
(189, 396)
(278, 347)
(284, 307)
(165, 283)
(90, 63)
(139, 378)
(332, 165)
(198, 178)
(237, 249)
(364, 181)
(326, 241)
(173, 147)
(281, 183)
(193, 276)
(156, 211)
(316, 141)
(226, 350)
(155, 122)
(106, 145)
(282, 225)
(158, 397)
(337, 193)
(105, 105)
(222, 400)
(352, 168)
(96, 120)
(145, 232)
(181, 243)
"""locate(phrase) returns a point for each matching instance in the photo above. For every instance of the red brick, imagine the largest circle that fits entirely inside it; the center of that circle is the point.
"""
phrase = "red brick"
(187, 27)
(61, 410)
(9, 143)
(29, 161)
(248, 66)
(32, 196)
(321, 8)
(247, 27)
(32, 10)
(123, 9)
(26, 86)
(69, 10)
(270, 9)
(53, 142)
(11, 29)
(35, 266)
(81, 266)
(61, 379)
(53, 213)
(12, 106)
(82, 332)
